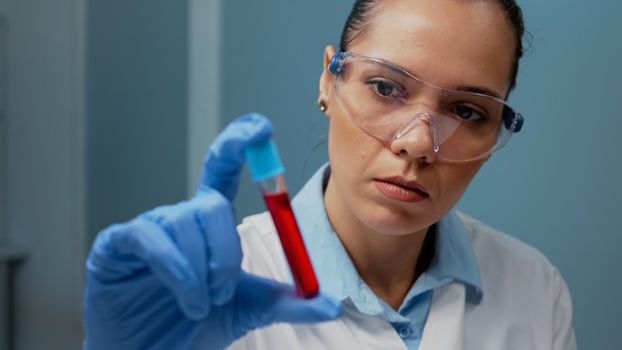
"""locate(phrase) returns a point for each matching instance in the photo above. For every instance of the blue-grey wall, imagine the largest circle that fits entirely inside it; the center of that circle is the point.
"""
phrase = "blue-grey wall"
(272, 59)
(137, 53)
(41, 192)
(555, 186)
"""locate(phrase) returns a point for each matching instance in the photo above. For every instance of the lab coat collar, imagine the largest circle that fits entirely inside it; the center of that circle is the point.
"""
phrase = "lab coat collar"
(454, 257)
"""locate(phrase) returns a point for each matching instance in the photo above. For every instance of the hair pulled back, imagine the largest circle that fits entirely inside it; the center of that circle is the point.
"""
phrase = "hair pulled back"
(359, 19)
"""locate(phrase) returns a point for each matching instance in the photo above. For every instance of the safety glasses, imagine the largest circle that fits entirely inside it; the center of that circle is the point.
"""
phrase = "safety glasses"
(389, 103)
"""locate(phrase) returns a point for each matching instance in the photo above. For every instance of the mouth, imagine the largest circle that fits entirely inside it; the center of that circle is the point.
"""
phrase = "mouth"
(400, 189)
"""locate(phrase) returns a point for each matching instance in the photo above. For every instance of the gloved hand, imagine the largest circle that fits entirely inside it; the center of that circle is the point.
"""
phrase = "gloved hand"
(171, 278)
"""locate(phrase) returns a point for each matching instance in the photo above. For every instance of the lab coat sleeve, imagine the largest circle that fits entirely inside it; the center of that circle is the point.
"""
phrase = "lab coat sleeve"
(563, 336)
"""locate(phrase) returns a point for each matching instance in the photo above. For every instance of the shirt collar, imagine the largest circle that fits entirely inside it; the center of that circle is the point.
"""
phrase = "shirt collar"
(454, 258)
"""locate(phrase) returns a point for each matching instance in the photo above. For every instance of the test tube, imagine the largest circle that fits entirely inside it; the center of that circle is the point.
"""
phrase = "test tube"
(266, 170)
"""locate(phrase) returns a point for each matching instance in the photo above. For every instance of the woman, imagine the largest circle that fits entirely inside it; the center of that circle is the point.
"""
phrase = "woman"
(415, 101)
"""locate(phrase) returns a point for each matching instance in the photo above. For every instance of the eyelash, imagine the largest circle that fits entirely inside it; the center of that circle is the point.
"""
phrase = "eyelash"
(375, 82)
(475, 110)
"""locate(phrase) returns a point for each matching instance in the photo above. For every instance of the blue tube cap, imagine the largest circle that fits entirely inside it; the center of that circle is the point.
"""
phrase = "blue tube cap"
(263, 160)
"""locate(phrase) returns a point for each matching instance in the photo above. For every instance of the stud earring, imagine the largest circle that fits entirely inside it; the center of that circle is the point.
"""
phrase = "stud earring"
(323, 106)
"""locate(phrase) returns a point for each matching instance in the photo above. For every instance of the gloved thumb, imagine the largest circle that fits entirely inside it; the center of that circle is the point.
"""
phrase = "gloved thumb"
(263, 302)
(225, 157)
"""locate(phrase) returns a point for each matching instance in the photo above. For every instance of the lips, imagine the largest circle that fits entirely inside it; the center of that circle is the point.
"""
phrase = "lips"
(401, 189)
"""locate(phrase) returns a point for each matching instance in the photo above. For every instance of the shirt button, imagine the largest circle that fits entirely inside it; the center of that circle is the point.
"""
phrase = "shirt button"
(404, 331)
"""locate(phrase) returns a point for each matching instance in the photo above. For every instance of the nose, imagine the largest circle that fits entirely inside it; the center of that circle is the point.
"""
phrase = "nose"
(416, 139)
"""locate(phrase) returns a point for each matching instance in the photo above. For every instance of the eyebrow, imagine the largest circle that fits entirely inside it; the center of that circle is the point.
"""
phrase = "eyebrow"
(466, 88)
(479, 90)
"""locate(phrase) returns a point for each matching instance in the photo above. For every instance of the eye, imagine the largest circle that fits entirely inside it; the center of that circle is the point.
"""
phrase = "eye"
(385, 88)
(469, 113)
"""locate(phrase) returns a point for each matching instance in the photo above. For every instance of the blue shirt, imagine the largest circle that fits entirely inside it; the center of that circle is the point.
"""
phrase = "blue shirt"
(453, 260)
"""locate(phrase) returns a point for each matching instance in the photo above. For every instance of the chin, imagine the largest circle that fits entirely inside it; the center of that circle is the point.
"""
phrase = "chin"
(391, 222)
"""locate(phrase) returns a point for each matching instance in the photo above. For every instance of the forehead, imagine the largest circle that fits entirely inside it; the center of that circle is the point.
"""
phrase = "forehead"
(446, 42)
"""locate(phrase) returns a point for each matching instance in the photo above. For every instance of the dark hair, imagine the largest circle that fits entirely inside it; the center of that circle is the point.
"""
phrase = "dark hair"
(358, 22)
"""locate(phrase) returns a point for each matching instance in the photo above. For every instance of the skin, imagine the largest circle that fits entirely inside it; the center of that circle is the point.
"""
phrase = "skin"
(450, 44)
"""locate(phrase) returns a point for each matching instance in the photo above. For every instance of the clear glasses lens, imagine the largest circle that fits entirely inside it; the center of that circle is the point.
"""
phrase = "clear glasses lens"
(383, 100)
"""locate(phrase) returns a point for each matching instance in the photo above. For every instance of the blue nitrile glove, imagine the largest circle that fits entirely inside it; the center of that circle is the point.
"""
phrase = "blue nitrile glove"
(171, 278)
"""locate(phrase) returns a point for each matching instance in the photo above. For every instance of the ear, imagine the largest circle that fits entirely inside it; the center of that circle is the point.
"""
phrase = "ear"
(326, 78)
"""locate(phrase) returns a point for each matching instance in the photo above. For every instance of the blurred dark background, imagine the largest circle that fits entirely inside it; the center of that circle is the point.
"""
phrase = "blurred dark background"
(107, 106)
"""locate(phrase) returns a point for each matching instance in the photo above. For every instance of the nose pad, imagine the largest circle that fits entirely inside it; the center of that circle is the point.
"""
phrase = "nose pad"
(417, 138)
(416, 121)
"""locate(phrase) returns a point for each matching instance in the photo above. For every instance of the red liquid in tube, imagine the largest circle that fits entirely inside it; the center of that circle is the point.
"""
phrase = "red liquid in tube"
(287, 228)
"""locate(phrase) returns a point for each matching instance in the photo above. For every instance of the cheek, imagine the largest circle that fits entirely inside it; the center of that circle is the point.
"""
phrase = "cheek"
(348, 146)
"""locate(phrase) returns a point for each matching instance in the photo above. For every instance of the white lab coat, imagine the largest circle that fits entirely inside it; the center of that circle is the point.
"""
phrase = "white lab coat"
(526, 304)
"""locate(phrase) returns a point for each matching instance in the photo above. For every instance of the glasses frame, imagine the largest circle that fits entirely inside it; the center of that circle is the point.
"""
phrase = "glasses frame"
(513, 122)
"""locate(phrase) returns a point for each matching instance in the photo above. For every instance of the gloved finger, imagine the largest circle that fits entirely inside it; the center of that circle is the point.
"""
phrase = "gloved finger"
(214, 215)
(144, 239)
(224, 159)
(180, 223)
(262, 302)
(108, 265)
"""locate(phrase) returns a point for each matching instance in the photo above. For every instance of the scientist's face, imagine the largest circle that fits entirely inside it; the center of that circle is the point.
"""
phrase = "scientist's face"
(401, 187)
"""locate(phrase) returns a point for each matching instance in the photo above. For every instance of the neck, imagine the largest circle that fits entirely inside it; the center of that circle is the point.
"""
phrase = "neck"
(389, 264)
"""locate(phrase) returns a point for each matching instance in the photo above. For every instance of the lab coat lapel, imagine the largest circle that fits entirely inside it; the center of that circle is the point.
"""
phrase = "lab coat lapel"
(444, 328)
